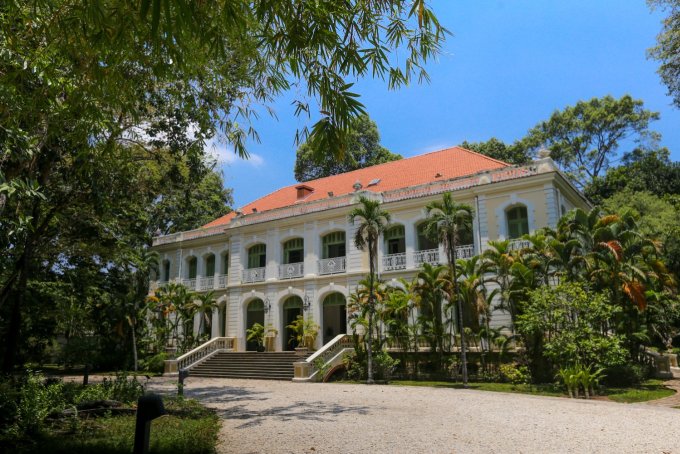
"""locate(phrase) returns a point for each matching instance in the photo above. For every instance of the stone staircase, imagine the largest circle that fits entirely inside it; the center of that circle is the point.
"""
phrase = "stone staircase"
(253, 365)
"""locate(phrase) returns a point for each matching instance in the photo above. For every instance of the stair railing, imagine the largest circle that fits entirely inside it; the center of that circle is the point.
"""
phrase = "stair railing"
(327, 357)
(199, 354)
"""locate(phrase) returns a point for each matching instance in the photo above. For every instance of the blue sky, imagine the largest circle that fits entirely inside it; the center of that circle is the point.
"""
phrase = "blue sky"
(508, 65)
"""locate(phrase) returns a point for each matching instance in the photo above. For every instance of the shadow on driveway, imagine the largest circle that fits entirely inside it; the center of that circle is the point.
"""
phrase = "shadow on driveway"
(299, 411)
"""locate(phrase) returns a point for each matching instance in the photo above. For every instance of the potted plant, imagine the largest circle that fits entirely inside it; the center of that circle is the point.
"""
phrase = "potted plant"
(256, 334)
(305, 332)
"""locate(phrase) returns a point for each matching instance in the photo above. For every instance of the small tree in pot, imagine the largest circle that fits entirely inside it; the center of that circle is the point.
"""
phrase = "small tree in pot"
(305, 332)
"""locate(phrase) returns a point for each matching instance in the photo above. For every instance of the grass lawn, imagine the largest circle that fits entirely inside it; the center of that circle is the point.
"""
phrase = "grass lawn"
(188, 428)
(540, 390)
(649, 390)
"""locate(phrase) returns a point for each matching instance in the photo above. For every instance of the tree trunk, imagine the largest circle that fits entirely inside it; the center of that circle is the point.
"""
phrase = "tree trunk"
(134, 348)
(454, 276)
(19, 294)
(369, 346)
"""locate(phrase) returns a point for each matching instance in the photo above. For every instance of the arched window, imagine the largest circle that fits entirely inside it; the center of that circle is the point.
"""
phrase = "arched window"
(333, 245)
(425, 242)
(193, 267)
(518, 221)
(257, 256)
(225, 263)
(210, 265)
(395, 240)
(293, 251)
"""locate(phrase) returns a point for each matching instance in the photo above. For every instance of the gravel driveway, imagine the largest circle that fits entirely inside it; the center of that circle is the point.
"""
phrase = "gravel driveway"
(285, 417)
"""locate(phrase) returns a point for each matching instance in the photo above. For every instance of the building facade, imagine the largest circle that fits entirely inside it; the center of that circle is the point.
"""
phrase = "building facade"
(292, 251)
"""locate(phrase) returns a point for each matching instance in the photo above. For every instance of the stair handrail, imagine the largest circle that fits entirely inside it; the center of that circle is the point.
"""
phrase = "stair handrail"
(205, 350)
(329, 355)
(330, 349)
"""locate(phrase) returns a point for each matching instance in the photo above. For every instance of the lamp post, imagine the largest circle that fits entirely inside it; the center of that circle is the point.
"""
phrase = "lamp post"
(306, 304)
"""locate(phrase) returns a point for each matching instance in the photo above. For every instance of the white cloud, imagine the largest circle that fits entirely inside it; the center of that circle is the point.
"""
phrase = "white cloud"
(224, 154)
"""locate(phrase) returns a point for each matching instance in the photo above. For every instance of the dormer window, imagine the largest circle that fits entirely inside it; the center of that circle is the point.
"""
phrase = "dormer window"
(303, 191)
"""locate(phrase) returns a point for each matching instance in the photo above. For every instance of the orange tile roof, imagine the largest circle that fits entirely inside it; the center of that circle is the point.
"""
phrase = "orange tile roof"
(435, 166)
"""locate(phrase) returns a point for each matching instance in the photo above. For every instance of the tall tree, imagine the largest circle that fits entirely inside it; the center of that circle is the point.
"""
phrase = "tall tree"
(372, 222)
(449, 221)
(517, 153)
(667, 50)
(640, 170)
(363, 149)
(585, 138)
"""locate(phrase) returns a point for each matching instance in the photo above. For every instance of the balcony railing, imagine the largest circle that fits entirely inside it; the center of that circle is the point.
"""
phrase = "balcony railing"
(291, 270)
(332, 266)
(253, 275)
(465, 252)
(206, 283)
(430, 256)
(222, 281)
(518, 244)
(189, 283)
(393, 262)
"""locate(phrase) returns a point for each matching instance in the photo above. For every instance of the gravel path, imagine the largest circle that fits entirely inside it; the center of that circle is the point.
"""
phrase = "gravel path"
(286, 417)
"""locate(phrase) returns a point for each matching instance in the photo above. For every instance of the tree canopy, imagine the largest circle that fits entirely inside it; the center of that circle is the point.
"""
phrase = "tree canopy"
(585, 138)
(666, 51)
(516, 153)
(363, 150)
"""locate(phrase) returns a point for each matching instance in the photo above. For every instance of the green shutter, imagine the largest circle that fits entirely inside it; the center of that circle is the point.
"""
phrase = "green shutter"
(210, 266)
(257, 255)
(518, 222)
(193, 267)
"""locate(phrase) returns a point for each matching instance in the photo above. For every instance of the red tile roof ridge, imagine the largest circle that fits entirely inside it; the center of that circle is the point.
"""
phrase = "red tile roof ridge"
(316, 182)
(418, 156)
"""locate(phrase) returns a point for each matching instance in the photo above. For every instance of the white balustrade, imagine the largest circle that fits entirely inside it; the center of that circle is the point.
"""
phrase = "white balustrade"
(206, 283)
(518, 244)
(189, 283)
(206, 350)
(394, 262)
(430, 256)
(222, 281)
(253, 275)
(465, 252)
(291, 270)
(332, 266)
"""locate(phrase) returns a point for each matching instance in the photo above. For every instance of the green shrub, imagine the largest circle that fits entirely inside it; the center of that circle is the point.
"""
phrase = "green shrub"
(384, 365)
(155, 363)
(36, 401)
(629, 374)
(515, 374)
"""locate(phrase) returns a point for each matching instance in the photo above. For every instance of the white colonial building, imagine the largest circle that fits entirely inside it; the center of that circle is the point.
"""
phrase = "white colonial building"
(292, 251)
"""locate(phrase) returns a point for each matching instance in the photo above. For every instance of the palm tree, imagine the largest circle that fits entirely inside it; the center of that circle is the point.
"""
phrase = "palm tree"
(205, 306)
(449, 221)
(372, 223)
(431, 287)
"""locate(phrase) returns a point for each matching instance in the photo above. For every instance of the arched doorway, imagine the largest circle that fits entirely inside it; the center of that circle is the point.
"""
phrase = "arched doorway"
(334, 316)
(254, 314)
(292, 308)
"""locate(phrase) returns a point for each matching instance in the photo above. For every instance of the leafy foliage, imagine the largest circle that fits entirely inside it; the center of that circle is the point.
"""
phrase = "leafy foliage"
(574, 324)
(584, 138)
(363, 149)
(517, 153)
(666, 50)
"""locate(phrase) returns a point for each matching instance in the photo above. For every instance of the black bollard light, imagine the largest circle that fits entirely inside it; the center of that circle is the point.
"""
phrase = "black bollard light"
(149, 407)
(183, 374)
